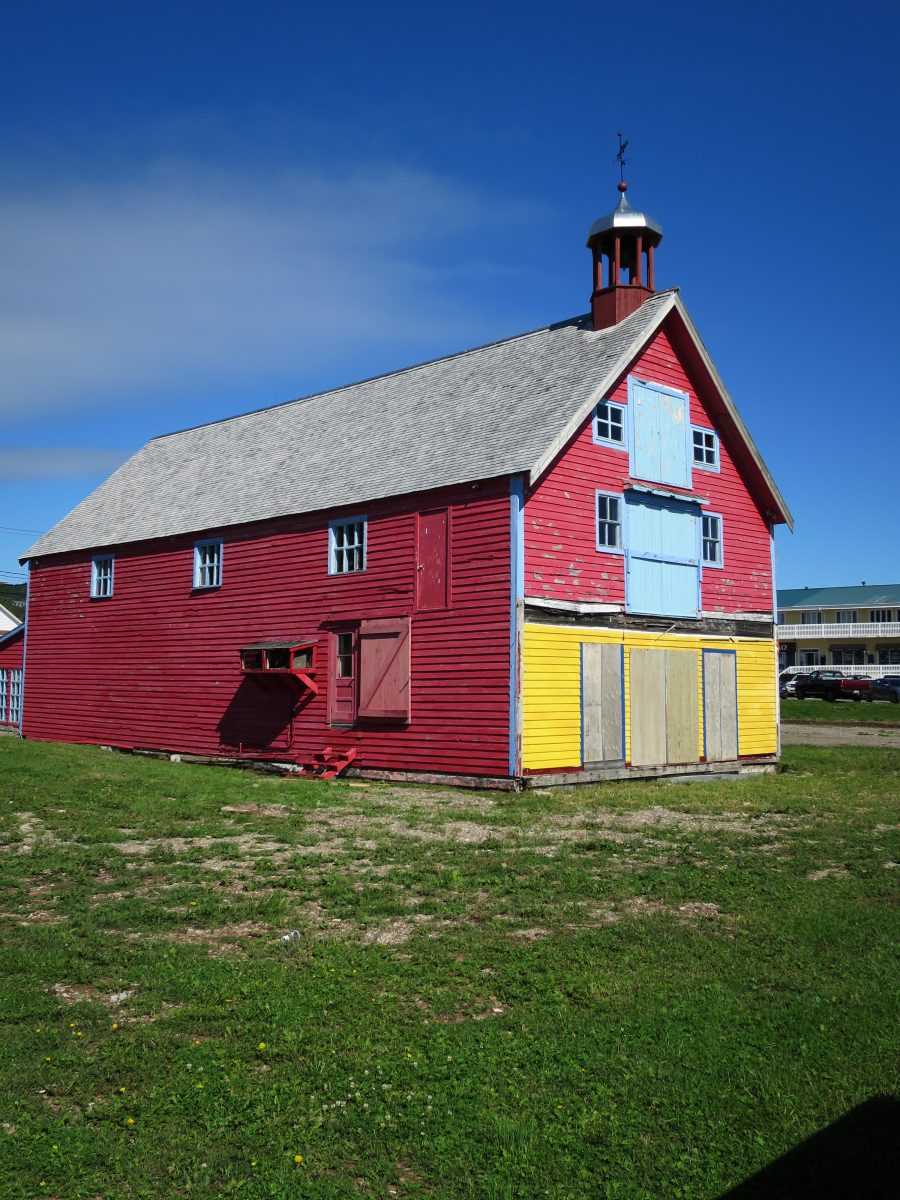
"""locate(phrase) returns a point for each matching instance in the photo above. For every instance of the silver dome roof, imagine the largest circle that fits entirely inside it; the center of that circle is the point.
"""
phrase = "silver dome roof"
(623, 216)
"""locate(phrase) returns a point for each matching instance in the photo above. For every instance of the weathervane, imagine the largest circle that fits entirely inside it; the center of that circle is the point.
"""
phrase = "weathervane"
(621, 160)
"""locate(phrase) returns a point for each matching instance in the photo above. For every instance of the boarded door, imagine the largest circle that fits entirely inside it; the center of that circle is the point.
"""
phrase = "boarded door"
(603, 736)
(662, 548)
(720, 713)
(384, 670)
(664, 716)
(660, 429)
(432, 575)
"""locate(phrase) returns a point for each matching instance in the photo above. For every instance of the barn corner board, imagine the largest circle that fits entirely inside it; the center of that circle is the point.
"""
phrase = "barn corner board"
(488, 582)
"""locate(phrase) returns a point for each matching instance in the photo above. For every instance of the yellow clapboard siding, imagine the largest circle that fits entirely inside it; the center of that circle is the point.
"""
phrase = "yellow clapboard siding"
(551, 689)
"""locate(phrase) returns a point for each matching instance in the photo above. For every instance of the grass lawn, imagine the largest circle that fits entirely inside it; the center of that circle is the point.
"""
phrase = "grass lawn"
(848, 712)
(629, 991)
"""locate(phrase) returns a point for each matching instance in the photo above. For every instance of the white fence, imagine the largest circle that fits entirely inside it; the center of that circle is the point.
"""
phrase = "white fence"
(862, 630)
(867, 672)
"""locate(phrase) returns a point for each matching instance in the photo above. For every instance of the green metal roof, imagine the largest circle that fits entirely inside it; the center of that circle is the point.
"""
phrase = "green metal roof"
(874, 595)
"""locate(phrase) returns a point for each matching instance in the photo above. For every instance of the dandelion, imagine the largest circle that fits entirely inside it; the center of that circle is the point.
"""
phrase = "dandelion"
(115, 1024)
(252, 1162)
(79, 1034)
(261, 1046)
(196, 1041)
(71, 1024)
(298, 1158)
(46, 1060)
(122, 1090)
(55, 1147)
(129, 1120)
(193, 903)
(38, 1029)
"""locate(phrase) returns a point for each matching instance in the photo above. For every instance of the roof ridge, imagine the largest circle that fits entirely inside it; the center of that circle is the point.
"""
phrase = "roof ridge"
(428, 362)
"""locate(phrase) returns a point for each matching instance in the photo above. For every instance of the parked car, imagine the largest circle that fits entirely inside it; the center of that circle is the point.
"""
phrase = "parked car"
(787, 684)
(886, 688)
(832, 685)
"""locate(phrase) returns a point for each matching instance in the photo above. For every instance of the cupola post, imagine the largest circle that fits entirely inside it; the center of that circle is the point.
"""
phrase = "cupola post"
(624, 239)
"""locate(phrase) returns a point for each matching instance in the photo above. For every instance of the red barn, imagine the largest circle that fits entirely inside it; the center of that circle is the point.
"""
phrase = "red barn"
(548, 557)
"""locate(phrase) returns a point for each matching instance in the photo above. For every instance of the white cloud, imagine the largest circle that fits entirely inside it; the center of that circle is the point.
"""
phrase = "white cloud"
(111, 290)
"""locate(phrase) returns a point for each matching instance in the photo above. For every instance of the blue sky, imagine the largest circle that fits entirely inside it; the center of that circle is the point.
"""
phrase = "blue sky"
(209, 208)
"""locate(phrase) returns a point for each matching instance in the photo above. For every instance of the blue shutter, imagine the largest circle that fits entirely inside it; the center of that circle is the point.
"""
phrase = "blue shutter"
(662, 557)
(661, 450)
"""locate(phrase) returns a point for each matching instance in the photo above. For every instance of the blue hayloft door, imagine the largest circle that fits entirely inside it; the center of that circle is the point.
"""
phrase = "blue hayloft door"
(662, 556)
(660, 434)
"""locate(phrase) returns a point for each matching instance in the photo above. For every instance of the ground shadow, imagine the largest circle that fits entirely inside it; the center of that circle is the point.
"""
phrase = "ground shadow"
(855, 1158)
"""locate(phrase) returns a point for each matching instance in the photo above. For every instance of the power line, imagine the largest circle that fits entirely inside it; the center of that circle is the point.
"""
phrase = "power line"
(13, 529)
(19, 574)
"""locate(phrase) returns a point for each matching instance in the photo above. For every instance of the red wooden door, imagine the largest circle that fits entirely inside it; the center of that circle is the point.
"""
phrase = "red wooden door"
(432, 575)
(342, 692)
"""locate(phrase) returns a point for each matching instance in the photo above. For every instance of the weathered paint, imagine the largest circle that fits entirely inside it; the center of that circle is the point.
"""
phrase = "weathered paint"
(552, 689)
(562, 561)
(157, 664)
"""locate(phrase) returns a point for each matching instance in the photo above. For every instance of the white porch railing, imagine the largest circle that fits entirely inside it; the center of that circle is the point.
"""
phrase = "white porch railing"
(867, 672)
(862, 631)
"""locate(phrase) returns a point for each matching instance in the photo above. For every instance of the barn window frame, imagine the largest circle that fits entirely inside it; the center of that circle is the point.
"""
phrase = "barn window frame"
(348, 545)
(712, 536)
(607, 522)
(102, 576)
(613, 419)
(209, 555)
(705, 444)
(14, 694)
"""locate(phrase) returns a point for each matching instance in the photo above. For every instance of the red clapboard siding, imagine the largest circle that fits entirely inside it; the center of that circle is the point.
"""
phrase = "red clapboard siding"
(157, 666)
(12, 650)
(561, 558)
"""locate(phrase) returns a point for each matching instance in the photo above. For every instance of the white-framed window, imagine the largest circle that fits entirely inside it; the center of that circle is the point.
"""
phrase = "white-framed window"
(848, 656)
(810, 617)
(15, 695)
(880, 615)
(208, 563)
(4, 692)
(845, 616)
(609, 522)
(712, 540)
(347, 546)
(609, 424)
(102, 577)
(808, 658)
(706, 448)
(889, 656)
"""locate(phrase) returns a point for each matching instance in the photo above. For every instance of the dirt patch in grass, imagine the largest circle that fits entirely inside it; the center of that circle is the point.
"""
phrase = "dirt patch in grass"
(31, 832)
(259, 810)
(829, 873)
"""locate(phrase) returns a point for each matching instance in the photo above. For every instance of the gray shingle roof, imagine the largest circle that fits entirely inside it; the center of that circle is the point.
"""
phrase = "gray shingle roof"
(476, 415)
(502, 409)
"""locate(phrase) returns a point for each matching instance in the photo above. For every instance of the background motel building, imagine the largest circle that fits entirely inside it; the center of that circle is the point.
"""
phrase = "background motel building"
(855, 627)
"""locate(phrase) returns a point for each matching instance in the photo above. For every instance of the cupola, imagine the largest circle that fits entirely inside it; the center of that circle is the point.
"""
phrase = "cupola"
(622, 244)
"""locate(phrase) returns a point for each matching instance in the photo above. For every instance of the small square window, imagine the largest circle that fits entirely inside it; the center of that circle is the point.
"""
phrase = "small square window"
(712, 540)
(347, 546)
(706, 449)
(208, 564)
(609, 423)
(102, 577)
(609, 522)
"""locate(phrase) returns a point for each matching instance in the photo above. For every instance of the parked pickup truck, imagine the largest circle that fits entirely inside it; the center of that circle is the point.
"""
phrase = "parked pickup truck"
(832, 685)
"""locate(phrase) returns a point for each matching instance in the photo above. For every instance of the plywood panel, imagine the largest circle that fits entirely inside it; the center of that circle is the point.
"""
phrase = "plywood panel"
(720, 706)
(591, 700)
(648, 707)
(601, 693)
(682, 731)
(611, 706)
